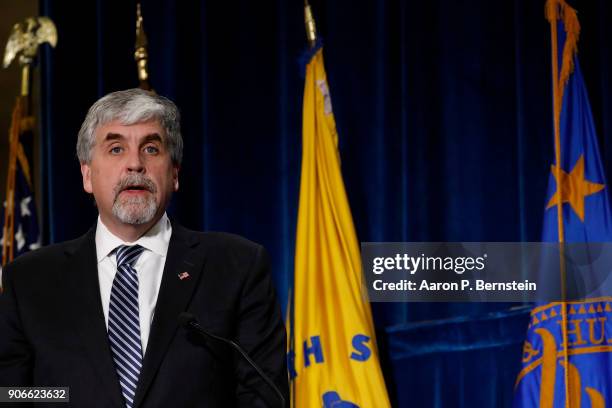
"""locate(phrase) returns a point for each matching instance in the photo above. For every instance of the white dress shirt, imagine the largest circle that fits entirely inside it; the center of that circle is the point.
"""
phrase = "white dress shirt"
(149, 266)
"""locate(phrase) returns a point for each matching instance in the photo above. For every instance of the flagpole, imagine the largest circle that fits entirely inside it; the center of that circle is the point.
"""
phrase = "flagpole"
(290, 346)
(9, 225)
(141, 55)
(23, 43)
(553, 13)
(560, 230)
(311, 37)
(311, 28)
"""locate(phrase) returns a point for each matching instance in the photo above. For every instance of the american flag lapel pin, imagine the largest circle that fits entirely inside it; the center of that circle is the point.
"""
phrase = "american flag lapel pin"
(183, 275)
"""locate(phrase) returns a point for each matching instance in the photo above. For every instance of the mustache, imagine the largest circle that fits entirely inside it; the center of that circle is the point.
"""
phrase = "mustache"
(135, 180)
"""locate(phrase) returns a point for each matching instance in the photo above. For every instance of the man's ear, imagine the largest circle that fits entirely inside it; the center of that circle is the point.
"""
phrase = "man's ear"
(175, 173)
(86, 173)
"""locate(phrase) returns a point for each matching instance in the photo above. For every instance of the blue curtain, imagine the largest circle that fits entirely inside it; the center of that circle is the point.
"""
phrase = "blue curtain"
(444, 115)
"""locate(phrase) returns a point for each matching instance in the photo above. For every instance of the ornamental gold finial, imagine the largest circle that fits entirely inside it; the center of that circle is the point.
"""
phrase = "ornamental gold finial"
(141, 56)
(311, 28)
(24, 40)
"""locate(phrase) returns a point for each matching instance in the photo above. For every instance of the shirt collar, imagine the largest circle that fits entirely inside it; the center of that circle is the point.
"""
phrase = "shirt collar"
(155, 239)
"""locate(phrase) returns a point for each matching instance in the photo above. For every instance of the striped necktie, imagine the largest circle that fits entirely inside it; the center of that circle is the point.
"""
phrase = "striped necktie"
(124, 322)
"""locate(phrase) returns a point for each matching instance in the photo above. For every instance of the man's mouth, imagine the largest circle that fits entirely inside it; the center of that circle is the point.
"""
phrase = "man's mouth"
(135, 189)
(135, 185)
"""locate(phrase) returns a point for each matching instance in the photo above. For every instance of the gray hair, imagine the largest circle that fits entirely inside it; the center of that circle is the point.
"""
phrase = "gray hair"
(130, 107)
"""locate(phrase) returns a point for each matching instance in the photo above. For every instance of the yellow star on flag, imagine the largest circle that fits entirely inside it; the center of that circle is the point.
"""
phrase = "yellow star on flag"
(574, 188)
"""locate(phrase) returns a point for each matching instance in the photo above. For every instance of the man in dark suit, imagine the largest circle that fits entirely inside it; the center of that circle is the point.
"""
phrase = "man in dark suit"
(99, 314)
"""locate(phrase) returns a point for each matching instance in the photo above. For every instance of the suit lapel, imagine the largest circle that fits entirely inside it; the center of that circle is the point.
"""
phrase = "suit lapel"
(84, 302)
(186, 259)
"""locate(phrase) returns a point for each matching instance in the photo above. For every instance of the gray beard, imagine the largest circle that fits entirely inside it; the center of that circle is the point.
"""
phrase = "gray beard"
(135, 210)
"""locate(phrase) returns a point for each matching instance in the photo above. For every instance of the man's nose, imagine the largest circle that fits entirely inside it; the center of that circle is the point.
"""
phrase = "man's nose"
(135, 162)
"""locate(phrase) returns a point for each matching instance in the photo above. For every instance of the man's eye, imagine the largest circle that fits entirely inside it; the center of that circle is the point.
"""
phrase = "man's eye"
(116, 150)
(151, 149)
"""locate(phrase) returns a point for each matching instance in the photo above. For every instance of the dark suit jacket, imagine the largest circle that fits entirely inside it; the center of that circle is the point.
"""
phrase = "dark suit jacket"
(52, 329)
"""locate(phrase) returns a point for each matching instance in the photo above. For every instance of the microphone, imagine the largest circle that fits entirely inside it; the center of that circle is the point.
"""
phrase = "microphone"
(189, 321)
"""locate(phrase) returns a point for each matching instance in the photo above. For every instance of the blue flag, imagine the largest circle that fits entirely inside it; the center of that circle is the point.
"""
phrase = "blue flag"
(26, 236)
(20, 231)
(567, 356)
